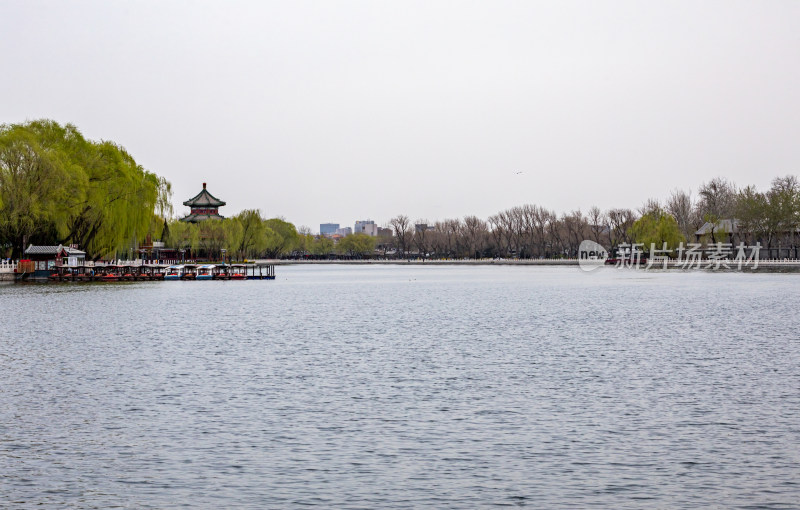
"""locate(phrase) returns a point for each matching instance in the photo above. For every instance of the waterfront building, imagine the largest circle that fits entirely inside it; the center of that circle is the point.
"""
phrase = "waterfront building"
(156, 250)
(778, 244)
(42, 259)
(204, 206)
(328, 229)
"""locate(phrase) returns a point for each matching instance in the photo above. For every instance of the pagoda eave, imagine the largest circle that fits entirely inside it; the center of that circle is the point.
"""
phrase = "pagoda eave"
(196, 218)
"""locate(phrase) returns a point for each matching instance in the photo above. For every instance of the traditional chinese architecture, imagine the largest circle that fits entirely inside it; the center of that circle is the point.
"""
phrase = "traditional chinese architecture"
(776, 243)
(205, 206)
(42, 259)
(156, 251)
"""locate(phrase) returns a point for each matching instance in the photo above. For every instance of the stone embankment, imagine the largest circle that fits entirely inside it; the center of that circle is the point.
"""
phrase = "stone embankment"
(433, 262)
(7, 269)
(776, 264)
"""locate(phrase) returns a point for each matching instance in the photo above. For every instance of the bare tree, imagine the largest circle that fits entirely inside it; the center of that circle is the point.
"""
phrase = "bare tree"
(437, 239)
(576, 229)
(445, 235)
(474, 231)
(681, 206)
(651, 206)
(421, 238)
(717, 202)
(508, 229)
(555, 236)
(402, 232)
(500, 234)
(620, 221)
(524, 219)
(542, 224)
(597, 223)
(453, 234)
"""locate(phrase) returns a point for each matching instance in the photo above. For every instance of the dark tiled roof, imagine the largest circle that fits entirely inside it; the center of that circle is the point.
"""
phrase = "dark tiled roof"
(730, 226)
(52, 250)
(204, 199)
(194, 218)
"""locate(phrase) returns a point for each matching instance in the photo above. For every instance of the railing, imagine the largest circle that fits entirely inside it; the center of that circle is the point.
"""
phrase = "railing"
(141, 262)
(8, 266)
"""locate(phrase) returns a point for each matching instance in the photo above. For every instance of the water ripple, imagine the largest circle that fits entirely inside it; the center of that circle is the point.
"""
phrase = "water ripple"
(396, 387)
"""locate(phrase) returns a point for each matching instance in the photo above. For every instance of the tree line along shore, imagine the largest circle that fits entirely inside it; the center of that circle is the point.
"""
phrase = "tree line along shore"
(57, 187)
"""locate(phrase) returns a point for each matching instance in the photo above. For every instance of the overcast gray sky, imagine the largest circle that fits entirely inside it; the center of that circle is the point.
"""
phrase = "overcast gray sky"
(339, 110)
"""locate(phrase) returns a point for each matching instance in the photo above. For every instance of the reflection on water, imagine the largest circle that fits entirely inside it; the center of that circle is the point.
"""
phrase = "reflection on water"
(359, 387)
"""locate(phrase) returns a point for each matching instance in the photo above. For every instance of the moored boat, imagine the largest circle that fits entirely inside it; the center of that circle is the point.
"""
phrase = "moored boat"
(127, 273)
(238, 272)
(205, 272)
(189, 272)
(150, 272)
(156, 272)
(174, 272)
(221, 272)
(110, 274)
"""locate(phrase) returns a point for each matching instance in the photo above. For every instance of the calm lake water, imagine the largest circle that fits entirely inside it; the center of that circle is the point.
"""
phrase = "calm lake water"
(404, 387)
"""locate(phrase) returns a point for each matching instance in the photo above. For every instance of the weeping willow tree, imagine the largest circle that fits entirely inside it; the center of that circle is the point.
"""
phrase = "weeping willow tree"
(58, 187)
(37, 187)
(205, 239)
(182, 236)
(216, 235)
(246, 235)
(252, 240)
(120, 202)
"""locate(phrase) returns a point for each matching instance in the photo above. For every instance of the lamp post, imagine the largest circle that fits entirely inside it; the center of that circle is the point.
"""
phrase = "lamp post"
(223, 255)
(181, 251)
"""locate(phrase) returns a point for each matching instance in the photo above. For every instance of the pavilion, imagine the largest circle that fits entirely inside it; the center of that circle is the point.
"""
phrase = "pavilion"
(205, 206)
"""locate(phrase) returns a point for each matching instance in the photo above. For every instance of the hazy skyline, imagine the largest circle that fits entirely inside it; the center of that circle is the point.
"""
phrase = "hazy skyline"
(340, 111)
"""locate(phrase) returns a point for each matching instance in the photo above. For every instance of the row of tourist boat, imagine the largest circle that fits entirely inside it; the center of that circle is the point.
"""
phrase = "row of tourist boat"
(207, 272)
(113, 273)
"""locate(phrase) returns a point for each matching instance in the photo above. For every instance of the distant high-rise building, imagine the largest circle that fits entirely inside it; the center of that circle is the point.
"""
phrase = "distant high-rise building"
(328, 229)
(366, 227)
(346, 231)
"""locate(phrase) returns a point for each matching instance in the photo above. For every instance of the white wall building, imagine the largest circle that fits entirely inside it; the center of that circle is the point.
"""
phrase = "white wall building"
(366, 227)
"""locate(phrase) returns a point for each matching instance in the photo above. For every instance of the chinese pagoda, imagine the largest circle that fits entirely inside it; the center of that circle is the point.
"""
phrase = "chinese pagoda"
(205, 206)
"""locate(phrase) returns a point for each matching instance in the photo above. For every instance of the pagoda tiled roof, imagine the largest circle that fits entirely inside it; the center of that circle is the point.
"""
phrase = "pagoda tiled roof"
(194, 218)
(204, 199)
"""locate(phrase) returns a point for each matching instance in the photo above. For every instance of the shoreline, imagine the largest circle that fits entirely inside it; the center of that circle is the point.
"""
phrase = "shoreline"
(789, 264)
(418, 262)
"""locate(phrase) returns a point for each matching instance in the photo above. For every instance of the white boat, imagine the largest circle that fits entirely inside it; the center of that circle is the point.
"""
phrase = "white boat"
(206, 272)
(174, 272)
